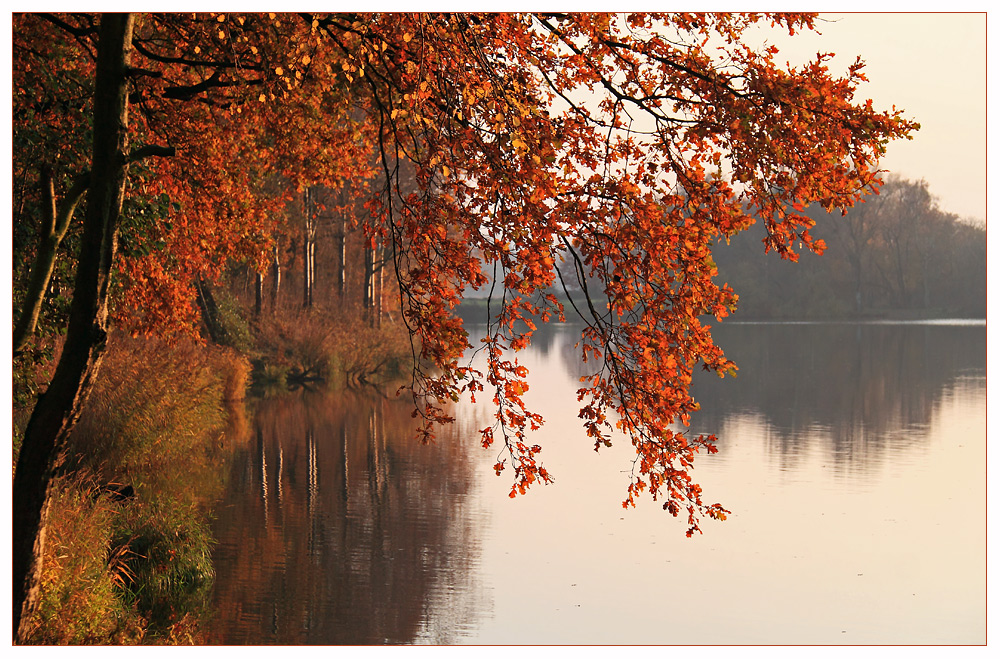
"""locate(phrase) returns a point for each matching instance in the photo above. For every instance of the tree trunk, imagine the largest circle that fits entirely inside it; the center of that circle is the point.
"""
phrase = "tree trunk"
(209, 312)
(381, 284)
(308, 250)
(258, 298)
(59, 407)
(367, 297)
(342, 250)
(275, 278)
(55, 222)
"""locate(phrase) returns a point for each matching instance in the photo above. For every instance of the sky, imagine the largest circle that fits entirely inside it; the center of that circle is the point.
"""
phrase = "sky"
(932, 66)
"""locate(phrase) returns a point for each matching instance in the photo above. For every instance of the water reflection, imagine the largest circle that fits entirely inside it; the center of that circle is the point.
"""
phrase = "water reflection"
(852, 456)
(860, 390)
(338, 528)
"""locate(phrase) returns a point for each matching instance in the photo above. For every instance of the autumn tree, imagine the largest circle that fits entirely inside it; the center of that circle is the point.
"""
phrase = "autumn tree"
(625, 145)
(680, 145)
(177, 221)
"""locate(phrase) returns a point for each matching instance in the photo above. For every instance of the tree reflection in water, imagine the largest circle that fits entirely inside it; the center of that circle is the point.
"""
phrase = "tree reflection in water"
(339, 528)
(863, 390)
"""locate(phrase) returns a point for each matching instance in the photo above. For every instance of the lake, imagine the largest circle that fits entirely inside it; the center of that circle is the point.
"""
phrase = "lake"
(852, 457)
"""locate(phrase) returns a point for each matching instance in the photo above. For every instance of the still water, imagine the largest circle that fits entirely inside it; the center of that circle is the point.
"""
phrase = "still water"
(853, 458)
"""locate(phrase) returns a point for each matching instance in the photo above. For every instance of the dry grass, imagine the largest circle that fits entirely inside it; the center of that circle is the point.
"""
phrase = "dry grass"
(154, 410)
(339, 351)
(139, 570)
(81, 582)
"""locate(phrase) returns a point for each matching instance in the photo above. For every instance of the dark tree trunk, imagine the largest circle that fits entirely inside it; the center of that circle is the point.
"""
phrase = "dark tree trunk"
(275, 278)
(258, 298)
(308, 250)
(56, 217)
(58, 409)
(209, 312)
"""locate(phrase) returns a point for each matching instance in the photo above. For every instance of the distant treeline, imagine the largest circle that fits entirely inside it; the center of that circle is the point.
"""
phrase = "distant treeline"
(897, 254)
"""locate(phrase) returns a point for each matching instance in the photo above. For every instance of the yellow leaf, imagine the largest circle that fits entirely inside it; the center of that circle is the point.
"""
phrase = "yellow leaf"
(306, 59)
(279, 70)
(222, 35)
(445, 170)
(407, 36)
(262, 98)
(221, 18)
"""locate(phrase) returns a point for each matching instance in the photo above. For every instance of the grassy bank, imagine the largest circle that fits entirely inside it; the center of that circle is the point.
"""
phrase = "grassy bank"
(128, 551)
(323, 350)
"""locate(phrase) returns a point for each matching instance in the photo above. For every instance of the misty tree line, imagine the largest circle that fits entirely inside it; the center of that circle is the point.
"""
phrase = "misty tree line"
(897, 253)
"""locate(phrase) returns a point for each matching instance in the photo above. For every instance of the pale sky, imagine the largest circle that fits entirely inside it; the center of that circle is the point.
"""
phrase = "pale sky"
(932, 66)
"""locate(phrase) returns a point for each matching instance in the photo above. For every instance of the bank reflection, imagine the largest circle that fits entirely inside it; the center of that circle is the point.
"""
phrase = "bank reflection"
(861, 391)
(338, 528)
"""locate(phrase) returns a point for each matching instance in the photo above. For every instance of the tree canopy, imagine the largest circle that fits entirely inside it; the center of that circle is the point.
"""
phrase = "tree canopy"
(624, 145)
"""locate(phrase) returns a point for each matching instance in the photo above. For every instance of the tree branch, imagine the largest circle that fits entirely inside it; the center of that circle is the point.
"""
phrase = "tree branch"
(151, 150)
(55, 222)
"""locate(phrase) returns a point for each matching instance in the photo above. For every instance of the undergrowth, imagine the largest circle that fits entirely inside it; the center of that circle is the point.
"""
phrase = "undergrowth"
(293, 348)
(128, 551)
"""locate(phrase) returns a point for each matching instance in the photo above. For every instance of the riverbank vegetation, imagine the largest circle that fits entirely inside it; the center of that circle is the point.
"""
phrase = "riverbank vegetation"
(128, 552)
(128, 557)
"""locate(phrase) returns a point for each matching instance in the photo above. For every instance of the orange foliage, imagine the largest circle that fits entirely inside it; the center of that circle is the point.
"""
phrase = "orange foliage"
(625, 145)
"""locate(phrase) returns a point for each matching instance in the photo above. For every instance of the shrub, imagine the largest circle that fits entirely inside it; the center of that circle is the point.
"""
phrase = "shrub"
(154, 415)
(139, 570)
(337, 350)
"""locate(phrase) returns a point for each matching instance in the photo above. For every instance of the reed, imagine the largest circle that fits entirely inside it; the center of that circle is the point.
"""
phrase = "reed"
(337, 350)
(80, 600)
(129, 553)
